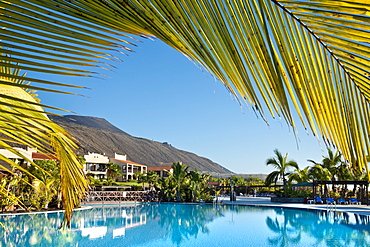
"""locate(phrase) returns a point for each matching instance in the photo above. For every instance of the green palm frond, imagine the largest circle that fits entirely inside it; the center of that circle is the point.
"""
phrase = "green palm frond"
(311, 57)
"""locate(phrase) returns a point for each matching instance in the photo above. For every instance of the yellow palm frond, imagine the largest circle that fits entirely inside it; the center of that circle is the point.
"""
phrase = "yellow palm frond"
(24, 122)
(311, 57)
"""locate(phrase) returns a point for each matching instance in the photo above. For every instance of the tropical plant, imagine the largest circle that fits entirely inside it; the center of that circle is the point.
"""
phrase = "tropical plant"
(329, 169)
(141, 178)
(197, 185)
(299, 175)
(113, 170)
(282, 165)
(237, 181)
(253, 181)
(273, 54)
(152, 179)
(332, 162)
(184, 185)
(178, 175)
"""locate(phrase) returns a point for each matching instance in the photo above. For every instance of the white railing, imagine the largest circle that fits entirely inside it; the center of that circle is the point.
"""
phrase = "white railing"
(117, 196)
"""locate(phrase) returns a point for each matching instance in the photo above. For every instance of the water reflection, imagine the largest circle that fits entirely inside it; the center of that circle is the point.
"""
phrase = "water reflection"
(174, 224)
(327, 228)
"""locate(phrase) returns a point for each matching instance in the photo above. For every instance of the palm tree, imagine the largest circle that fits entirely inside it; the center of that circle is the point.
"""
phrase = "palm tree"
(152, 179)
(237, 181)
(332, 162)
(318, 172)
(141, 178)
(328, 169)
(282, 165)
(272, 54)
(197, 183)
(113, 170)
(299, 175)
(179, 177)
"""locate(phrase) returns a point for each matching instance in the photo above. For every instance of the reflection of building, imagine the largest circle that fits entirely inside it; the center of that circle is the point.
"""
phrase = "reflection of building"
(128, 168)
(96, 226)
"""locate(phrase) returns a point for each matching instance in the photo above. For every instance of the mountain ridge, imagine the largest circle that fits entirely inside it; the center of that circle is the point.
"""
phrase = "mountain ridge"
(98, 135)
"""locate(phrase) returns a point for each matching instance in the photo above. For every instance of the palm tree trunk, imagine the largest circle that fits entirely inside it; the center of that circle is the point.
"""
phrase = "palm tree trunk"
(178, 196)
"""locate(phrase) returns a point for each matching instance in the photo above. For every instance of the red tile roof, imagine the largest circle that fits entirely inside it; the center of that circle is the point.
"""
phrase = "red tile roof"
(40, 156)
(214, 183)
(129, 162)
(159, 168)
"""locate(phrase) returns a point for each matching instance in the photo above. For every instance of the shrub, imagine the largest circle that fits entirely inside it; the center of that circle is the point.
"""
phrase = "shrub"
(206, 197)
(334, 194)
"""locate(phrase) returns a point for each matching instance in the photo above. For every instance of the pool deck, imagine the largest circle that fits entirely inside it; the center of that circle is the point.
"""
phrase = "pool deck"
(265, 201)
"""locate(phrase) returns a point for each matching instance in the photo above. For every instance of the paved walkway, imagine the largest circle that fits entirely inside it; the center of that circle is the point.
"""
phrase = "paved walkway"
(265, 201)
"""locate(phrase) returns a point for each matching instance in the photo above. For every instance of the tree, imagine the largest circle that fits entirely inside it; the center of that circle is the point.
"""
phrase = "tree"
(113, 170)
(46, 183)
(253, 181)
(237, 181)
(332, 162)
(280, 54)
(197, 184)
(328, 169)
(299, 175)
(282, 165)
(185, 185)
(178, 176)
(141, 178)
(152, 179)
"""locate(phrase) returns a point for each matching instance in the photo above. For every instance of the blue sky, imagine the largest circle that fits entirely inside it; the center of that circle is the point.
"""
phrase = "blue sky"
(158, 94)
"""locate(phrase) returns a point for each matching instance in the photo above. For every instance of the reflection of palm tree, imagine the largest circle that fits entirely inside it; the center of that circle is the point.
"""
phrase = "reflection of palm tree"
(286, 235)
(183, 222)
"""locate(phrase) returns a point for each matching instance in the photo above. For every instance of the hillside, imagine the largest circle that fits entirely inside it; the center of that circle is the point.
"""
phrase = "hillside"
(98, 135)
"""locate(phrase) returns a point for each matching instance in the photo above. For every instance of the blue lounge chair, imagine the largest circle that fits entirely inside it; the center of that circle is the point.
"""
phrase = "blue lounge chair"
(342, 201)
(354, 201)
(318, 199)
(330, 200)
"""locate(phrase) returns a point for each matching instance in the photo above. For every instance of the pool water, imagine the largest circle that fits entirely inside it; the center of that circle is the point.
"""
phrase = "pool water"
(187, 225)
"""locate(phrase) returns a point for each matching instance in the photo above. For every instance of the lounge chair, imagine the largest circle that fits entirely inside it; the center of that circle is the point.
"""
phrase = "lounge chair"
(342, 201)
(330, 200)
(354, 201)
(317, 199)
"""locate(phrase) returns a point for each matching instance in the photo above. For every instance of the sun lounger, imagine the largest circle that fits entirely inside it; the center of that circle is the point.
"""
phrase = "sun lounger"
(354, 201)
(317, 199)
(330, 201)
(342, 201)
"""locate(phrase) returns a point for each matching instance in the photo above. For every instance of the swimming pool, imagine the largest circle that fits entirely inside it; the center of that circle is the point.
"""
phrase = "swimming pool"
(188, 225)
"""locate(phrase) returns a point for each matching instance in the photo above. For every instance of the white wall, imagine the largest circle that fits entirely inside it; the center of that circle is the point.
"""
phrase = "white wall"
(25, 152)
(120, 156)
(96, 158)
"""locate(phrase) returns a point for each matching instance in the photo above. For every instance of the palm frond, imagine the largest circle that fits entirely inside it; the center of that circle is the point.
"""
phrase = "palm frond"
(24, 122)
(311, 56)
